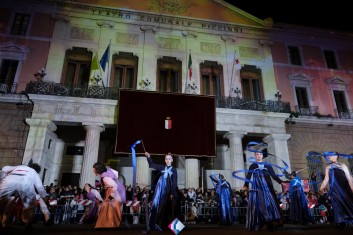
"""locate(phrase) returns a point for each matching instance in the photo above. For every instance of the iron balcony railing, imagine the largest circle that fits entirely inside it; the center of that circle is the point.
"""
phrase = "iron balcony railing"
(307, 111)
(6, 88)
(100, 92)
(344, 114)
(249, 104)
(84, 91)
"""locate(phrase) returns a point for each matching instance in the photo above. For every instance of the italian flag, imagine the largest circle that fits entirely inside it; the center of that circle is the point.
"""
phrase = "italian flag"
(189, 67)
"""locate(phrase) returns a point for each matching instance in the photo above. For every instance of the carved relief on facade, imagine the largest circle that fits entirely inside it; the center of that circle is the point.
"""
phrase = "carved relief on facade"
(169, 43)
(249, 52)
(210, 48)
(82, 33)
(170, 6)
(127, 39)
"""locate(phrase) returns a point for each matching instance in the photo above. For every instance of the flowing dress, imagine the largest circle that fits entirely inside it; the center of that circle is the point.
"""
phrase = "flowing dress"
(263, 206)
(110, 214)
(164, 209)
(91, 211)
(226, 195)
(341, 194)
(298, 208)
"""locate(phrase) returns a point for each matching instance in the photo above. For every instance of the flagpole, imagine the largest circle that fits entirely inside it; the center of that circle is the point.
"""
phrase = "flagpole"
(187, 64)
(109, 64)
(231, 76)
(99, 67)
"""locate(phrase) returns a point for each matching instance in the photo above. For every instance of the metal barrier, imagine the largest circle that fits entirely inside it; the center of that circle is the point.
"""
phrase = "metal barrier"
(135, 213)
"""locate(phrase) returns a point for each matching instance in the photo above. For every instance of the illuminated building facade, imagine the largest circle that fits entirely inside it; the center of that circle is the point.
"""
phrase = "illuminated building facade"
(66, 114)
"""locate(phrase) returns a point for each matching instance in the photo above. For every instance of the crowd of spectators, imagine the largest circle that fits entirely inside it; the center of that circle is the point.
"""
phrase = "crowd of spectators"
(198, 206)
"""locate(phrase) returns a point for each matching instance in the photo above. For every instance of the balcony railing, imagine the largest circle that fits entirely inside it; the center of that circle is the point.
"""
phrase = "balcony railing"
(112, 93)
(309, 111)
(84, 91)
(344, 114)
(249, 104)
(5, 88)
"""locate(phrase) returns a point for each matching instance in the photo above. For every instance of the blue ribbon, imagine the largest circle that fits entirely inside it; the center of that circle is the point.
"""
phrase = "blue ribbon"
(312, 155)
(258, 147)
(134, 164)
(167, 172)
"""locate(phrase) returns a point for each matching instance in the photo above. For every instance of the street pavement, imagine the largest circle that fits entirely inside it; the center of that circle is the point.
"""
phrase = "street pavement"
(190, 229)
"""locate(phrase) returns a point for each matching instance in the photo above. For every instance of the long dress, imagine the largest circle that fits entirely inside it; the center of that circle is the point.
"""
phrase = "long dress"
(298, 208)
(91, 211)
(263, 206)
(164, 209)
(226, 195)
(110, 214)
(341, 194)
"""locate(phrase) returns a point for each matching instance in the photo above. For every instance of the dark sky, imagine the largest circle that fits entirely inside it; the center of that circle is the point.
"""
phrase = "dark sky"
(335, 15)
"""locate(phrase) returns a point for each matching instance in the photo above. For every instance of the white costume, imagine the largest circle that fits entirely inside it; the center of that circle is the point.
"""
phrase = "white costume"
(22, 181)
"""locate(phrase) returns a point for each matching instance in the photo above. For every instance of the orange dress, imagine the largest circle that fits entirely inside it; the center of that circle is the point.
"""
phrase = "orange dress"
(109, 215)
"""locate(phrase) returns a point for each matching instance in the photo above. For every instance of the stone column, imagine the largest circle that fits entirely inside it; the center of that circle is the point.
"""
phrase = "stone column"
(222, 160)
(143, 176)
(39, 134)
(192, 168)
(236, 156)
(277, 145)
(54, 172)
(90, 153)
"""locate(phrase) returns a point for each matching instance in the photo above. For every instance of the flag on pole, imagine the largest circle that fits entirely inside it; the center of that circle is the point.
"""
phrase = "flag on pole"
(95, 74)
(236, 61)
(190, 67)
(105, 58)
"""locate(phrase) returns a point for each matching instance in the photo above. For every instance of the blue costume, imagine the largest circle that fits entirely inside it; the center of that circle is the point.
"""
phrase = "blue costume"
(341, 195)
(263, 206)
(225, 196)
(164, 209)
(299, 211)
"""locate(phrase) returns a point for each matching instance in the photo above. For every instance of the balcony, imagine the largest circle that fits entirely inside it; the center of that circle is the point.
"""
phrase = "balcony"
(307, 111)
(5, 88)
(344, 114)
(58, 89)
(84, 91)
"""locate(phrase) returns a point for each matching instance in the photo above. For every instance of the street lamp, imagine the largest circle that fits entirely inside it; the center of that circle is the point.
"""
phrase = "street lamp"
(237, 91)
(40, 74)
(278, 95)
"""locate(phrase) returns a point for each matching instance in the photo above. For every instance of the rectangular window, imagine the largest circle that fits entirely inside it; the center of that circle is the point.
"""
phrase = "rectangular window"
(8, 71)
(124, 77)
(210, 85)
(125, 66)
(340, 101)
(77, 67)
(294, 55)
(20, 24)
(251, 82)
(168, 81)
(211, 78)
(330, 59)
(302, 97)
(169, 75)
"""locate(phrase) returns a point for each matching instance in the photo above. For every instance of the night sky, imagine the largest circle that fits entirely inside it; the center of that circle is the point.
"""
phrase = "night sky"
(330, 16)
